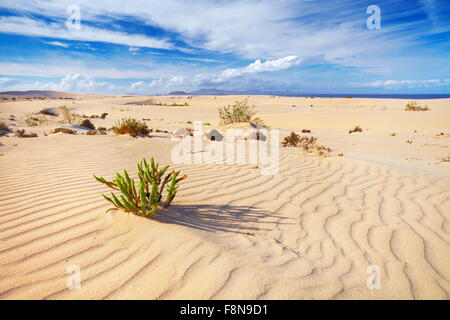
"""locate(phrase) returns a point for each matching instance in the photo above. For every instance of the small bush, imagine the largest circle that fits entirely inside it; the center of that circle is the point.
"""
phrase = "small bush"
(307, 144)
(306, 131)
(131, 126)
(68, 117)
(48, 112)
(414, 106)
(3, 129)
(291, 140)
(22, 134)
(446, 159)
(64, 130)
(35, 120)
(155, 189)
(240, 111)
(178, 104)
(103, 116)
(355, 129)
(101, 129)
(393, 134)
(86, 123)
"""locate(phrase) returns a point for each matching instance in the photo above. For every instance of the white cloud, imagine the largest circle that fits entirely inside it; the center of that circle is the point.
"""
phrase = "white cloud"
(58, 44)
(404, 83)
(158, 86)
(258, 66)
(101, 69)
(8, 82)
(251, 28)
(30, 27)
(76, 83)
(165, 85)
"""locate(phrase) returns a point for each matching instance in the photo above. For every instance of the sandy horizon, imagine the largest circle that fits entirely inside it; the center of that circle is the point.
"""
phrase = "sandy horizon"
(310, 231)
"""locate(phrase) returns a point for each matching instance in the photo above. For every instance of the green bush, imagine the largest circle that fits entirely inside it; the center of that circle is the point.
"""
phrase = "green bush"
(131, 126)
(414, 106)
(240, 111)
(155, 189)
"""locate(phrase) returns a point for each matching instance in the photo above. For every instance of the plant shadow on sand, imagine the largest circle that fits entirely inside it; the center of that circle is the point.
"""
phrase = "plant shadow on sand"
(237, 219)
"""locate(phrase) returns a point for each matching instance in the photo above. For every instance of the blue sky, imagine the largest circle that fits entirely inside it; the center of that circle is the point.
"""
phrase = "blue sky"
(154, 47)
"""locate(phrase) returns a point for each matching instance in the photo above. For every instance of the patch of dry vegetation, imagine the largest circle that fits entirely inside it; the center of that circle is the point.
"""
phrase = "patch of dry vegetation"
(307, 144)
(240, 111)
(63, 130)
(68, 117)
(132, 127)
(23, 134)
(4, 129)
(414, 106)
(355, 129)
(49, 112)
(86, 123)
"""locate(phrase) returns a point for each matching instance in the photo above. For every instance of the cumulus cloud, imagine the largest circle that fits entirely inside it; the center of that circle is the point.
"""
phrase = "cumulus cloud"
(258, 66)
(76, 83)
(165, 85)
(159, 86)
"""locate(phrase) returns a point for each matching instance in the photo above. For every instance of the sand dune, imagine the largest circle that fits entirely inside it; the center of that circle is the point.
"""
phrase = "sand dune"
(308, 232)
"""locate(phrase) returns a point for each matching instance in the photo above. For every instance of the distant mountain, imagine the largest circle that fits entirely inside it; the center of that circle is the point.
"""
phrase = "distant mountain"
(212, 91)
(38, 93)
(220, 92)
(178, 93)
(47, 94)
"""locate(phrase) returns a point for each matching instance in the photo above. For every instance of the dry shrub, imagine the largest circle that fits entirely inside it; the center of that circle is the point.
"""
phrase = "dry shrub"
(95, 132)
(68, 117)
(64, 130)
(355, 129)
(3, 129)
(240, 111)
(414, 106)
(307, 144)
(86, 123)
(306, 131)
(291, 140)
(48, 112)
(131, 126)
(446, 159)
(22, 134)
(36, 120)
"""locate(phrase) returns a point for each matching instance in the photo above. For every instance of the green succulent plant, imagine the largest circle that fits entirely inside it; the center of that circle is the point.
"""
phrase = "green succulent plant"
(155, 188)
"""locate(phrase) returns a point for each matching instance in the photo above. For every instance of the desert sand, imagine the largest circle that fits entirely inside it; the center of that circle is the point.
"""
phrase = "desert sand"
(308, 232)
